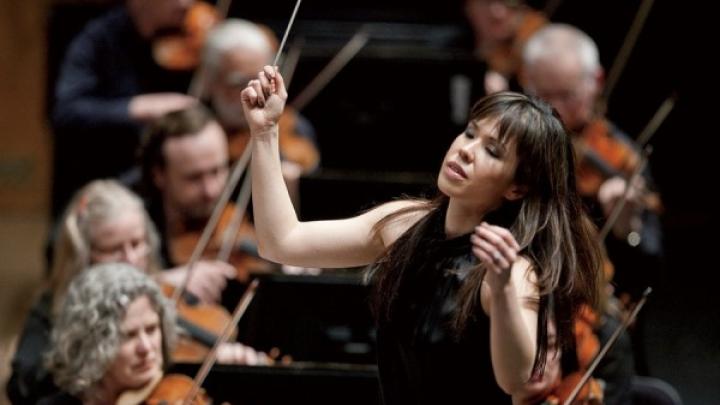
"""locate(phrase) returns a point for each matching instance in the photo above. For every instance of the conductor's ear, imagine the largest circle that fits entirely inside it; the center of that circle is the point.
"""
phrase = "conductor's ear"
(515, 192)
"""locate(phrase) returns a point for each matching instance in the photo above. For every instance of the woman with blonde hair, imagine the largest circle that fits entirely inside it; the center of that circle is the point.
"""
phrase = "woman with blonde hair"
(105, 222)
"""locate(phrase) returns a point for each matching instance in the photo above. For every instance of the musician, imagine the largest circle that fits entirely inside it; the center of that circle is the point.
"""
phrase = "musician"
(234, 52)
(105, 222)
(109, 85)
(185, 169)
(114, 332)
(561, 65)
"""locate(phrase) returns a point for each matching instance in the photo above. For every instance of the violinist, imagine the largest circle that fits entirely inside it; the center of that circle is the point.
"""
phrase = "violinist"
(105, 222)
(114, 332)
(500, 29)
(234, 52)
(108, 86)
(561, 65)
(185, 169)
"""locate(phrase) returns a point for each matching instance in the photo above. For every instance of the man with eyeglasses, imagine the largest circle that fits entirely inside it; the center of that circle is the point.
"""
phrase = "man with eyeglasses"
(234, 52)
(561, 65)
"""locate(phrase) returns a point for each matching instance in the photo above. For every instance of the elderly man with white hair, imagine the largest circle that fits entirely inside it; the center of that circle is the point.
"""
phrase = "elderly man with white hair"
(234, 52)
(561, 65)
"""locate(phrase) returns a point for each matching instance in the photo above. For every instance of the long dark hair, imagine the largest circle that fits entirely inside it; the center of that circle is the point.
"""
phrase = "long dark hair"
(549, 223)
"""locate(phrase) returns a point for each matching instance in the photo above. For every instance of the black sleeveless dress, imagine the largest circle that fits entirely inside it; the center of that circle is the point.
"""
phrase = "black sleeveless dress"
(421, 359)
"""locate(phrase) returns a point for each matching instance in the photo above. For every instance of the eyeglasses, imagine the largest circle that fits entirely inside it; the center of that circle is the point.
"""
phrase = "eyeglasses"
(236, 80)
(567, 95)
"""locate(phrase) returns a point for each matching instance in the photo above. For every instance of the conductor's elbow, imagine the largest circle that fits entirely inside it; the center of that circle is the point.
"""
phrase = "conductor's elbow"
(270, 252)
(514, 386)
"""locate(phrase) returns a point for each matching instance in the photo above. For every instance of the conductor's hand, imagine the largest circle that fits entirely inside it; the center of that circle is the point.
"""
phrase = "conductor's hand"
(263, 101)
(497, 248)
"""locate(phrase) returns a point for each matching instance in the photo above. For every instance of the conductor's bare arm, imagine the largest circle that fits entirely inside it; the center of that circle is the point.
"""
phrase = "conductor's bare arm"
(281, 236)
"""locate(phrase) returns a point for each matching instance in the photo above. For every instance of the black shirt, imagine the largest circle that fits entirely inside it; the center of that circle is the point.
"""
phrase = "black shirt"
(421, 359)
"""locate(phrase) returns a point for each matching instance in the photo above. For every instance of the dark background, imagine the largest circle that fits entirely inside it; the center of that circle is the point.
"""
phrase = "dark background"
(383, 128)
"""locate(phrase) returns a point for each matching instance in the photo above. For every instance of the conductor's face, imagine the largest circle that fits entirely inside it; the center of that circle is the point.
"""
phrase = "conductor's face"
(479, 169)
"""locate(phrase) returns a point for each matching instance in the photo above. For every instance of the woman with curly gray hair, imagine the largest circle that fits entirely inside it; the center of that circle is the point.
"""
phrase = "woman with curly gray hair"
(105, 222)
(113, 333)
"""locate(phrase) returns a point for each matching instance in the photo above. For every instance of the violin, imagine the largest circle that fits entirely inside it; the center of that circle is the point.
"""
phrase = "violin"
(243, 257)
(590, 394)
(202, 322)
(170, 389)
(174, 389)
(293, 146)
(587, 347)
(602, 156)
(181, 50)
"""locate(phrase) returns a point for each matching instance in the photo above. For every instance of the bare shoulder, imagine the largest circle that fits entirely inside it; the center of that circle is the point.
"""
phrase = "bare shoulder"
(392, 230)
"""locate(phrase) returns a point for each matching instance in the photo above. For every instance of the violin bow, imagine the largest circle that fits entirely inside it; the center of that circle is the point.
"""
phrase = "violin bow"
(617, 209)
(237, 172)
(351, 48)
(232, 181)
(657, 120)
(231, 232)
(291, 60)
(603, 351)
(624, 54)
(212, 356)
(642, 141)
